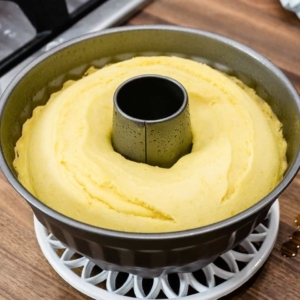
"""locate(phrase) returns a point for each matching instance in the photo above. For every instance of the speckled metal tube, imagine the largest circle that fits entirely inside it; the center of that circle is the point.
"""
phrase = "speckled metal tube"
(151, 120)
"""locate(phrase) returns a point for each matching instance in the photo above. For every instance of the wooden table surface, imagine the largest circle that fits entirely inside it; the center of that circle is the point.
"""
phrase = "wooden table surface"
(261, 24)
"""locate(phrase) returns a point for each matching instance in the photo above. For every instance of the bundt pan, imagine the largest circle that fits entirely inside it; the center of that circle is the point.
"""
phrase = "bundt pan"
(148, 255)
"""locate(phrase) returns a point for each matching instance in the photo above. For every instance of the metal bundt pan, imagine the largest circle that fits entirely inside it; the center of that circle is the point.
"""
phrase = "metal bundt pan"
(148, 255)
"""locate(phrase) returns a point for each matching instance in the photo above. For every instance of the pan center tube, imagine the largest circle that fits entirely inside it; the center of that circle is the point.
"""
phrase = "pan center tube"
(151, 120)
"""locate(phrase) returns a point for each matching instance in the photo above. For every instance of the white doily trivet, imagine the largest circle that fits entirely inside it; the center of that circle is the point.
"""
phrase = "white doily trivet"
(218, 279)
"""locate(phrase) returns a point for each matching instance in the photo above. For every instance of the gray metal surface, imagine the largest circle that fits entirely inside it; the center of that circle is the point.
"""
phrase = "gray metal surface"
(15, 29)
(72, 5)
(109, 14)
(148, 255)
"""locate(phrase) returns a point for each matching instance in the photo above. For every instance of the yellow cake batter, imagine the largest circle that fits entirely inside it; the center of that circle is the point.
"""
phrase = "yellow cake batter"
(65, 156)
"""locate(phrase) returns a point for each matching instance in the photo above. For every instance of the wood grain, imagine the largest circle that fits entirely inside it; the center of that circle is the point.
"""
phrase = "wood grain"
(262, 25)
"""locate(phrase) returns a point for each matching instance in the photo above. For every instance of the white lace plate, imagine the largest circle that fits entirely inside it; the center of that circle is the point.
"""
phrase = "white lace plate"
(218, 279)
